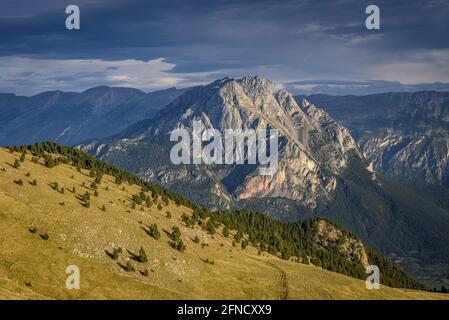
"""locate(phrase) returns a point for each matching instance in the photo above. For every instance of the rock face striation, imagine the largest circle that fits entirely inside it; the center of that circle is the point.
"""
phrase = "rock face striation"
(313, 148)
(405, 135)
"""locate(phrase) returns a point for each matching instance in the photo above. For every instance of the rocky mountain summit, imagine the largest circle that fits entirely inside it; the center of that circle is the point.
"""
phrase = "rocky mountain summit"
(313, 148)
(405, 135)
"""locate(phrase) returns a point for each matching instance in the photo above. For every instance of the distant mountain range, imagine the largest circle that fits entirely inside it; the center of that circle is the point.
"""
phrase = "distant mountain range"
(69, 117)
(365, 87)
(406, 135)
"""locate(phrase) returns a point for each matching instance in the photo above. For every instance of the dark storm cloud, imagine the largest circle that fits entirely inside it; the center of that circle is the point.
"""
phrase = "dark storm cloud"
(285, 40)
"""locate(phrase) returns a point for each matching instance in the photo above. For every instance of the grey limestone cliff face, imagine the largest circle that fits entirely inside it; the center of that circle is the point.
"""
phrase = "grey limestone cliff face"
(313, 148)
(405, 135)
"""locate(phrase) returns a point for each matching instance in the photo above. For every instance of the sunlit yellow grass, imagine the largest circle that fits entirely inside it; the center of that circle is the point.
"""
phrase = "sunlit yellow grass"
(33, 268)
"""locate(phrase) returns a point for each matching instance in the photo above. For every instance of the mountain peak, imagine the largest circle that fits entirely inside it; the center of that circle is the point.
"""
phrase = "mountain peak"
(256, 80)
(102, 90)
(248, 83)
(314, 150)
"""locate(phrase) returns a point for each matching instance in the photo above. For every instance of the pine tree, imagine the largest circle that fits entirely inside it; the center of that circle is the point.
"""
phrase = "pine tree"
(238, 236)
(86, 197)
(34, 182)
(49, 162)
(154, 232)
(129, 267)
(180, 246)
(225, 232)
(22, 157)
(16, 164)
(115, 254)
(142, 255)
(210, 227)
(176, 234)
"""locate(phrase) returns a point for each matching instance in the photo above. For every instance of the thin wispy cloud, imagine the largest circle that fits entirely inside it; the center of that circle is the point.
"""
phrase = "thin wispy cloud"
(195, 41)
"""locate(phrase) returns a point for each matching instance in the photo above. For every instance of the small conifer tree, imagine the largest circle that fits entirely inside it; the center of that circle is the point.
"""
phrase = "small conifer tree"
(142, 255)
(16, 164)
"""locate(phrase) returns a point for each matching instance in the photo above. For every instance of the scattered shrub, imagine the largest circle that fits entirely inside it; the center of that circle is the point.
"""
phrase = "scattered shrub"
(142, 255)
(225, 232)
(154, 232)
(129, 267)
(116, 253)
(16, 164)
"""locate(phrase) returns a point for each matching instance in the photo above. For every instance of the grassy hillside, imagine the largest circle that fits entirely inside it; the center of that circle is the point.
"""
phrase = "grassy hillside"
(44, 228)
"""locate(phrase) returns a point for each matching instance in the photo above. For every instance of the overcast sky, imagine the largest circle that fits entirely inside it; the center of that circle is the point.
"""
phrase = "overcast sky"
(158, 44)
